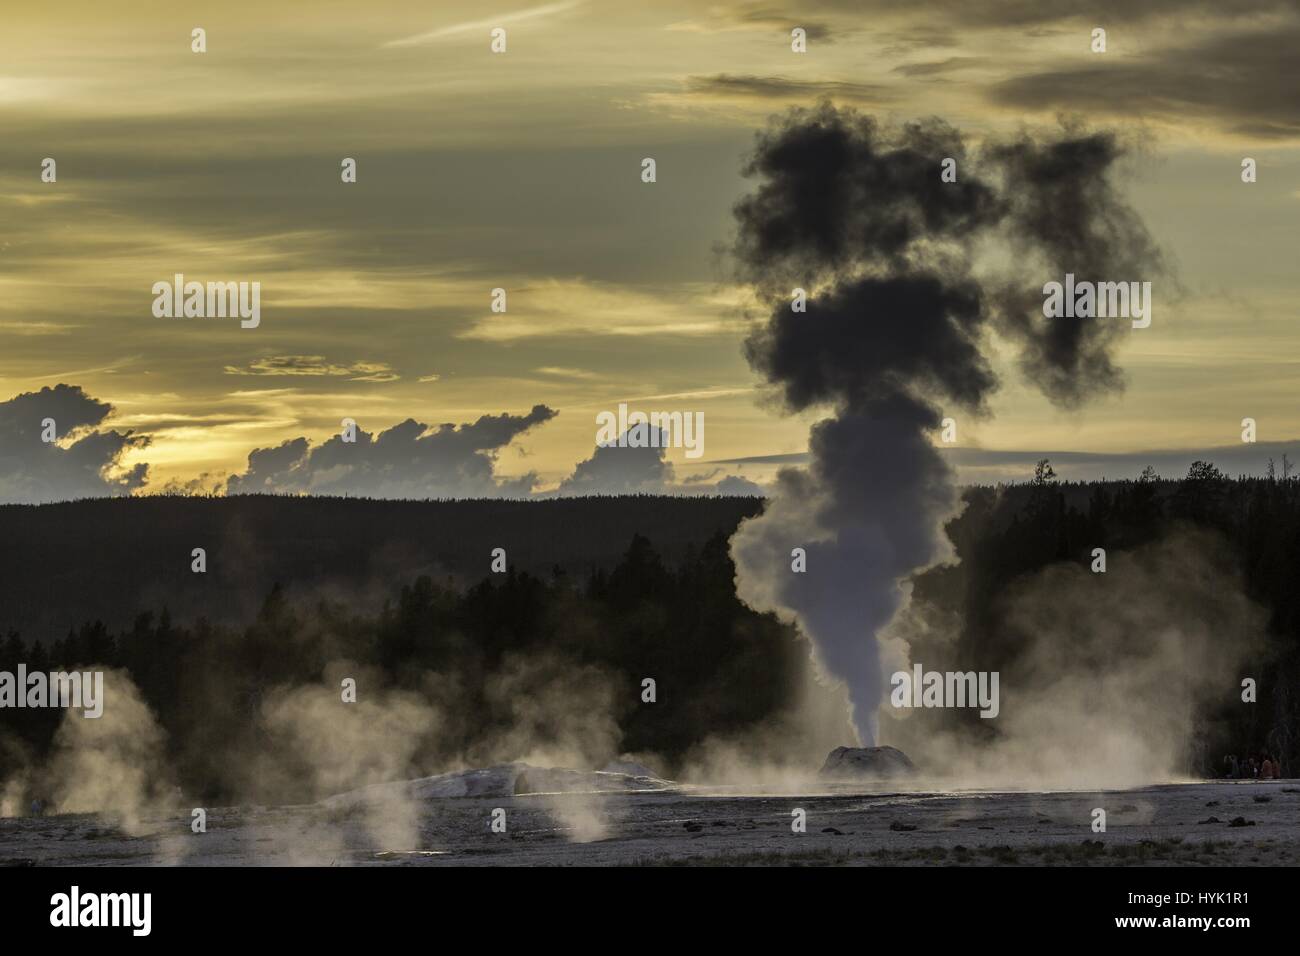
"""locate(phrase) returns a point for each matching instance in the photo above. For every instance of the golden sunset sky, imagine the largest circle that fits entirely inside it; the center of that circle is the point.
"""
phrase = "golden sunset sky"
(522, 170)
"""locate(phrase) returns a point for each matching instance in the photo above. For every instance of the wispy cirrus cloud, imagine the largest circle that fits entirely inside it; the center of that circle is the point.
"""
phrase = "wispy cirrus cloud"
(316, 365)
(1246, 83)
(939, 67)
(753, 16)
(779, 88)
(37, 328)
(559, 371)
(530, 13)
(559, 308)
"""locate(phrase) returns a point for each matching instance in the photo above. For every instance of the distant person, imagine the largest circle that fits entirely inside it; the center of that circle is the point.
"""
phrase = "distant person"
(38, 808)
(1234, 767)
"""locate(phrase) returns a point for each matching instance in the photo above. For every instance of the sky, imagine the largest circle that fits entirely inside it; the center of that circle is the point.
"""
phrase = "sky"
(522, 170)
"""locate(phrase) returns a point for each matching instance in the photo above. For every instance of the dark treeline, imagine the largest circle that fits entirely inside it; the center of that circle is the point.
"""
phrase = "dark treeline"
(108, 558)
(720, 667)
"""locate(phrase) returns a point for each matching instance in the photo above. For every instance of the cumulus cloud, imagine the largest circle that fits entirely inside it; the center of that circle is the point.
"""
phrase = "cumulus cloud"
(709, 483)
(409, 460)
(84, 461)
(617, 470)
(739, 486)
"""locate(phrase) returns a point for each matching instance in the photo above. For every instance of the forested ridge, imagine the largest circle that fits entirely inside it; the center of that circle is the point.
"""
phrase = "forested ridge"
(661, 603)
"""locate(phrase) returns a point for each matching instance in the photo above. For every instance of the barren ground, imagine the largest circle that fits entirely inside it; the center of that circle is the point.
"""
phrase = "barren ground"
(1162, 825)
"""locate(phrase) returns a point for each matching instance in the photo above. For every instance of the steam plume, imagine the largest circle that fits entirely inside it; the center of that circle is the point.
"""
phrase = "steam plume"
(896, 322)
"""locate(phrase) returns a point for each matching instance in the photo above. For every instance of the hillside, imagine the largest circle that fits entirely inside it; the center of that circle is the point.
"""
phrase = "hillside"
(107, 559)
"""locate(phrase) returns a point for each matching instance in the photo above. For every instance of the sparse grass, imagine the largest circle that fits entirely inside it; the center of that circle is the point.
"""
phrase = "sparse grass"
(821, 857)
(1172, 850)
(1002, 855)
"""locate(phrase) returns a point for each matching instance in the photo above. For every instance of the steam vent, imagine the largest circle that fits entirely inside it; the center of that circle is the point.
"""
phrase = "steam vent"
(856, 763)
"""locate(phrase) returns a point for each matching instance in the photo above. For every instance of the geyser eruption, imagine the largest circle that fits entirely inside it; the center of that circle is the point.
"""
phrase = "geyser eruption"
(895, 322)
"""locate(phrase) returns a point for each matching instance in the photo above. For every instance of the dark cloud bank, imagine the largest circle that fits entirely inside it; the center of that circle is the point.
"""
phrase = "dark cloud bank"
(1244, 82)
(83, 462)
(410, 460)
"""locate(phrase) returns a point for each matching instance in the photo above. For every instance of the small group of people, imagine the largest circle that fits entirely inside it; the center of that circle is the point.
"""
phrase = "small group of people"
(1254, 767)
